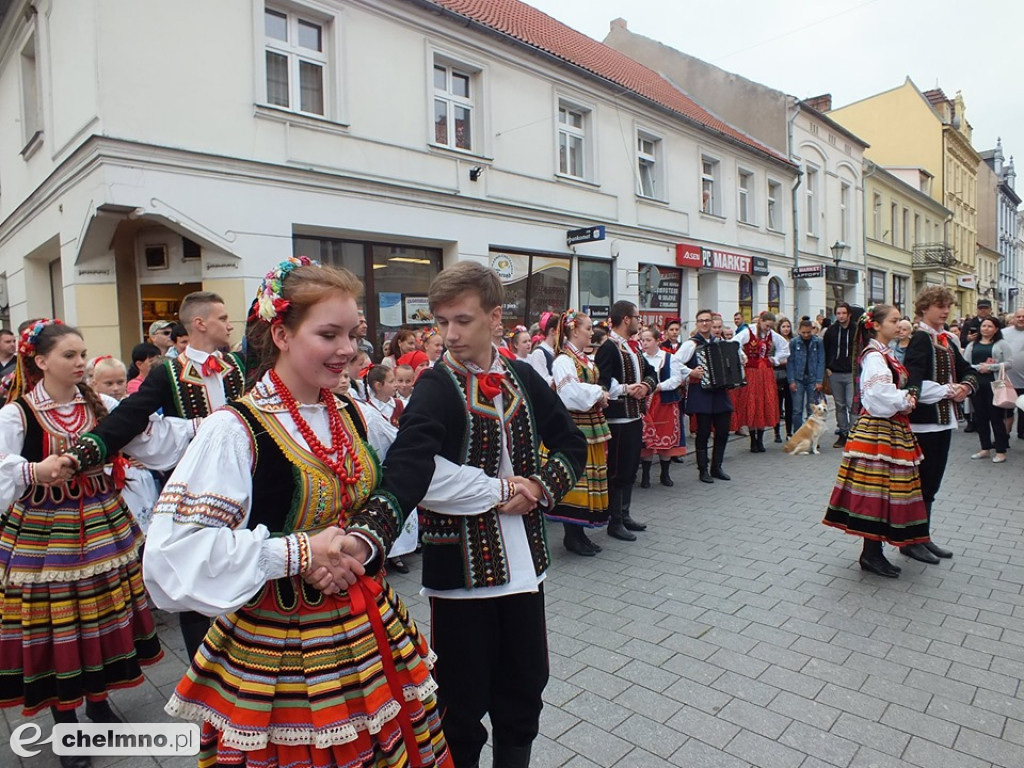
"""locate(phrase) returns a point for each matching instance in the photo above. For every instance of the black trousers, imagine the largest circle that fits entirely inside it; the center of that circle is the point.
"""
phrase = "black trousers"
(989, 420)
(194, 627)
(706, 423)
(492, 659)
(624, 453)
(785, 404)
(935, 447)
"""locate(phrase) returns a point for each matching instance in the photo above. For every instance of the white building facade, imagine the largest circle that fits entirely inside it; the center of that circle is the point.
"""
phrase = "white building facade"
(391, 138)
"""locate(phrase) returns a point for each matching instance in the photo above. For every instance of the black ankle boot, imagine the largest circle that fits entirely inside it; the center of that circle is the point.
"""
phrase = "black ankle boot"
(100, 712)
(753, 441)
(873, 559)
(645, 476)
(778, 436)
(627, 521)
(70, 761)
(665, 479)
(574, 541)
(760, 441)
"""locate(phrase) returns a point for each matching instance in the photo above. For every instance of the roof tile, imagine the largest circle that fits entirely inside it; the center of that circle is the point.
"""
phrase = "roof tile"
(535, 28)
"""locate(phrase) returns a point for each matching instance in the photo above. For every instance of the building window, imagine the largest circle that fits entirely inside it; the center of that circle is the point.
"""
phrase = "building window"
(31, 117)
(844, 212)
(708, 185)
(811, 193)
(296, 61)
(876, 286)
(533, 284)
(396, 278)
(648, 151)
(899, 293)
(745, 189)
(775, 295)
(595, 286)
(454, 100)
(893, 208)
(746, 298)
(917, 230)
(906, 229)
(876, 217)
(774, 205)
(572, 140)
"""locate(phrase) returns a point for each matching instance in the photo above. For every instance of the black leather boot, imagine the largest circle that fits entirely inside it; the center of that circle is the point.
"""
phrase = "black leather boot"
(70, 761)
(615, 527)
(760, 441)
(575, 542)
(100, 712)
(778, 436)
(753, 441)
(627, 521)
(665, 479)
(872, 559)
(702, 467)
(645, 474)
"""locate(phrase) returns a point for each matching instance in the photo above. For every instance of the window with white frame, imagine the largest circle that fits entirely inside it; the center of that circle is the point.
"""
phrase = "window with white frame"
(917, 229)
(572, 140)
(774, 205)
(31, 116)
(648, 152)
(876, 216)
(906, 229)
(296, 61)
(811, 195)
(709, 202)
(745, 192)
(844, 211)
(455, 87)
(893, 222)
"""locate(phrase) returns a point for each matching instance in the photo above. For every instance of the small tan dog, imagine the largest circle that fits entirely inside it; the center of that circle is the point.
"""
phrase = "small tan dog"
(806, 438)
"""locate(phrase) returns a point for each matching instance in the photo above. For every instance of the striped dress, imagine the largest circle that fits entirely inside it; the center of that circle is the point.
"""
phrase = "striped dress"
(75, 616)
(286, 676)
(877, 493)
(575, 379)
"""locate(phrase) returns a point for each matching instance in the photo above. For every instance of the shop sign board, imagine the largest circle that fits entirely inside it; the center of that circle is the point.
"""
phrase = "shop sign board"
(809, 270)
(584, 235)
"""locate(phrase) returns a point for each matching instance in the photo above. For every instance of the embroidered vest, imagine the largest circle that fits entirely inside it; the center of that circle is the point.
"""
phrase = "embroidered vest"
(188, 391)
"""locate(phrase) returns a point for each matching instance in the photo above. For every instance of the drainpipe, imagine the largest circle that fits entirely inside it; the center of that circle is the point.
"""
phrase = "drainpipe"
(796, 210)
(864, 229)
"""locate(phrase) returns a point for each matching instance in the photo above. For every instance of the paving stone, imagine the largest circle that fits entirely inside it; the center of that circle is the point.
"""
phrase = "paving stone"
(824, 746)
(653, 735)
(646, 702)
(794, 682)
(996, 751)
(745, 688)
(927, 727)
(595, 744)
(929, 755)
(696, 754)
(974, 717)
(754, 718)
(805, 710)
(700, 725)
(762, 752)
(881, 737)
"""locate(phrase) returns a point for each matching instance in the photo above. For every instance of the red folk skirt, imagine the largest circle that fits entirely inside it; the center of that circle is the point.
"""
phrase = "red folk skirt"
(756, 405)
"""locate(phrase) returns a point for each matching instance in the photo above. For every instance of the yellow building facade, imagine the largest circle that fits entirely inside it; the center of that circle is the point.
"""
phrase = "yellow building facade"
(924, 138)
(902, 239)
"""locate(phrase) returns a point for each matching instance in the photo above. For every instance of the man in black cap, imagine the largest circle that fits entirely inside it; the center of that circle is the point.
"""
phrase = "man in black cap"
(971, 331)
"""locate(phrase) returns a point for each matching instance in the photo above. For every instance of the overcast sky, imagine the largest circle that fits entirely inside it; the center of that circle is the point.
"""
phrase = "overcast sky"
(849, 48)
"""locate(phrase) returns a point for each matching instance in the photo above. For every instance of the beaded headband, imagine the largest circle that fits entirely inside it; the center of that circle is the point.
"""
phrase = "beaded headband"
(271, 306)
(30, 336)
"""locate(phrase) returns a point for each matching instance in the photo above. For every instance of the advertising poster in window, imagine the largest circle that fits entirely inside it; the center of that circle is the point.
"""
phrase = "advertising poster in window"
(513, 270)
(417, 310)
(549, 286)
(659, 294)
(390, 309)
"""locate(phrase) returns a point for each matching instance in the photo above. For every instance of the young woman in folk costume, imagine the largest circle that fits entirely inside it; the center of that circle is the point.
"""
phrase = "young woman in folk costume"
(757, 404)
(313, 659)
(575, 380)
(877, 494)
(76, 621)
(662, 428)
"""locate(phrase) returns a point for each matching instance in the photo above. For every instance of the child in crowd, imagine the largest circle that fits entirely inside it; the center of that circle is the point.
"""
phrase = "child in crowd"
(417, 360)
(144, 357)
(107, 376)
(380, 385)
(404, 378)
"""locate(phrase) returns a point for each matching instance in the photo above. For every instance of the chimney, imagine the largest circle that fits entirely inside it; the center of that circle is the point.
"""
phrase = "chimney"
(619, 23)
(821, 103)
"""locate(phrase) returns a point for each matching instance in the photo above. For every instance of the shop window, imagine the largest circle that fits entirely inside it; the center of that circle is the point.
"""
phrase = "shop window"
(876, 286)
(660, 289)
(746, 297)
(295, 61)
(595, 278)
(533, 284)
(395, 277)
(775, 295)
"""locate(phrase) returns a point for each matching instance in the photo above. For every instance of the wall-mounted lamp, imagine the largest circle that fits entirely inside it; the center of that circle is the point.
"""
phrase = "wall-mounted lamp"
(475, 171)
(837, 249)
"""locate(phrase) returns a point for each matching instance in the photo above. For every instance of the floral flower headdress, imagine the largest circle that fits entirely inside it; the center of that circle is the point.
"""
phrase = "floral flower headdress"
(270, 305)
(30, 336)
(432, 331)
(868, 319)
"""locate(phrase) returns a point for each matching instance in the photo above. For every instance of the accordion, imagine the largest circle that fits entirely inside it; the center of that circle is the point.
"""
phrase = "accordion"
(722, 366)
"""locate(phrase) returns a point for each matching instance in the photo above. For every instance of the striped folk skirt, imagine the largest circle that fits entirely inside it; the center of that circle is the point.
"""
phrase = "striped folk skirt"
(587, 503)
(877, 493)
(75, 616)
(296, 677)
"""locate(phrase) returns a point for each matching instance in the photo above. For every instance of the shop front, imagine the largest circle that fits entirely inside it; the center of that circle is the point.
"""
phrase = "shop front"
(660, 293)
(534, 283)
(840, 285)
(727, 281)
(395, 277)
(595, 277)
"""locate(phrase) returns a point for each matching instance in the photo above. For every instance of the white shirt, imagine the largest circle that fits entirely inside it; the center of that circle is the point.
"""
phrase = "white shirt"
(931, 391)
(879, 394)
(540, 363)
(213, 384)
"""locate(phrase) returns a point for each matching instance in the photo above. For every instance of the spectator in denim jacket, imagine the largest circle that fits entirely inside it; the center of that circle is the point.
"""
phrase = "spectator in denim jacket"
(805, 370)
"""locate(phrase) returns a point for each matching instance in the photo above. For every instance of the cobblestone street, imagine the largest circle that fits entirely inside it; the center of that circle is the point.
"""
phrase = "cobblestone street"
(739, 631)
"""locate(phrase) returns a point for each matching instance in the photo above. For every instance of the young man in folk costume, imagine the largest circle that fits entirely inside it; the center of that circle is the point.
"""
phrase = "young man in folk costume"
(629, 380)
(485, 550)
(712, 407)
(940, 379)
(191, 386)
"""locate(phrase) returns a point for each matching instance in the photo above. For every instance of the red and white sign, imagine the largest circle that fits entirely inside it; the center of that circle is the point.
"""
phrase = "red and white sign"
(695, 257)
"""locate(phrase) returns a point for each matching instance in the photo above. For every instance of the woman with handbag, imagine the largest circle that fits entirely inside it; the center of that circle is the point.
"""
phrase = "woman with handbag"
(989, 355)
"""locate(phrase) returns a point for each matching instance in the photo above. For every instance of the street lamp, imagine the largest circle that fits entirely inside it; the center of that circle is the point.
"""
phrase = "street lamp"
(837, 249)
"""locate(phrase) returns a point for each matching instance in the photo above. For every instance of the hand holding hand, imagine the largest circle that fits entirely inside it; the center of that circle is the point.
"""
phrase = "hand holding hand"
(960, 393)
(528, 494)
(337, 553)
(54, 470)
